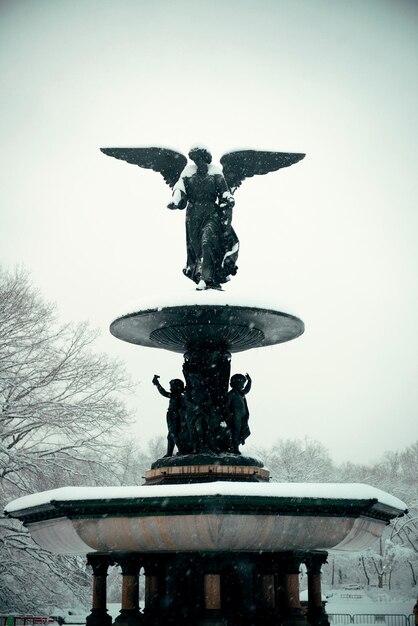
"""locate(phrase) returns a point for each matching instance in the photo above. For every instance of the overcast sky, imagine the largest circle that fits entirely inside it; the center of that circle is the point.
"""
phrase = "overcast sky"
(333, 238)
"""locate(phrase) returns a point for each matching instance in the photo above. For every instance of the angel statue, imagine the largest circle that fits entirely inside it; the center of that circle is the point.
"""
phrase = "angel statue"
(206, 192)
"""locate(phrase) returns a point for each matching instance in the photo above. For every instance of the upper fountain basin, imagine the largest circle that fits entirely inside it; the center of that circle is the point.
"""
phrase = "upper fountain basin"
(209, 319)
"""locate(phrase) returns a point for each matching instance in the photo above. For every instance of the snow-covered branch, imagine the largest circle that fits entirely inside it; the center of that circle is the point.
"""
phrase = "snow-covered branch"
(60, 408)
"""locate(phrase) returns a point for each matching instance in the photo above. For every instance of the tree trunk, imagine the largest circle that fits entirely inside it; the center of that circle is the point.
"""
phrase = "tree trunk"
(414, 577)
(365, 571)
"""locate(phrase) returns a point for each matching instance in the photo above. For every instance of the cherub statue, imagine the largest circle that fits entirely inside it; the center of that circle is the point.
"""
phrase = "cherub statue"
(237, 410)
(206, 192)
(175, 413)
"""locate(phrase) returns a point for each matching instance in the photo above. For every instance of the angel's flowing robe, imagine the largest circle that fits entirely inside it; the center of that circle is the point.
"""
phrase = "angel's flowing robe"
(212, 245)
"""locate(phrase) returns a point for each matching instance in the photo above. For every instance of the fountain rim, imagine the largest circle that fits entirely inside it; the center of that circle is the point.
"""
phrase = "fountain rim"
(220, 504)
(206, 516)
(259, 326)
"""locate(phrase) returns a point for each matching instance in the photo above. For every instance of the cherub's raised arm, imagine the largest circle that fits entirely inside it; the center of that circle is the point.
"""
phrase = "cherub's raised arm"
(160, 388)
(247, 387)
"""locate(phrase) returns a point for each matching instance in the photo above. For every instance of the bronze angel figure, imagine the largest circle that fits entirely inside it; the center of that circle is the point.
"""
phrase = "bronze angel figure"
(206, 192)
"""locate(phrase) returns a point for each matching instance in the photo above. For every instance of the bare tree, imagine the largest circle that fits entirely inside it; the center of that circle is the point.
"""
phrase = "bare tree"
(131, 461)
(296, 460)
(395, 558)
(60, 405)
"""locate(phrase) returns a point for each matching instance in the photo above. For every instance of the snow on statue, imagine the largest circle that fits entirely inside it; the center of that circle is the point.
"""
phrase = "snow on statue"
(206, 192)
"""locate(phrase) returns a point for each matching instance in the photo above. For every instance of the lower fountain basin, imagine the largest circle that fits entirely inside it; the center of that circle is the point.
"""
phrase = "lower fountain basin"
(212, 517)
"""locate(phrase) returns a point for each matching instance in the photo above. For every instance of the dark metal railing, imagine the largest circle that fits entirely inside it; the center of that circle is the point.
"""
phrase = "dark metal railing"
(24, 620)
(385, 619)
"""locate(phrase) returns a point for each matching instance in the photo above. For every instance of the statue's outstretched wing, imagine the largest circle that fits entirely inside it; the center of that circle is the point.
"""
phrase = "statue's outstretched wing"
(241, 164)
(164, 160)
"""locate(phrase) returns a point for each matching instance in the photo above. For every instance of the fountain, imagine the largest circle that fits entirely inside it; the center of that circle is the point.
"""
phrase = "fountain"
(217, 542)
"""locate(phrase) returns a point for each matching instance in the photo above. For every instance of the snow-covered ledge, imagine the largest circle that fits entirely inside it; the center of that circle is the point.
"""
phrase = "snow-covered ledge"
(210, 297)
(218, 516)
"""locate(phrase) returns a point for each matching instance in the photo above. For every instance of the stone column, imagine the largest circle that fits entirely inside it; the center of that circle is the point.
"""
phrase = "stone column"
(154, 584)
(129, 614)
(316, 613)
(151, 591)
(293, 613)
(99, 615)
(268, 590)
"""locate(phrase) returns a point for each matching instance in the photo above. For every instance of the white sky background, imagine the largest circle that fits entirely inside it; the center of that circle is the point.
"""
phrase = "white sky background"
(333, 237)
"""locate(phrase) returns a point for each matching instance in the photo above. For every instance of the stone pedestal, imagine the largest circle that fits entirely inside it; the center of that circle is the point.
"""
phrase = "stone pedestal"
(204, 468)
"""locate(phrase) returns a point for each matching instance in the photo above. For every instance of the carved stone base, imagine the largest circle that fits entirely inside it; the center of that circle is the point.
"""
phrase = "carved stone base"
(202, 458)
(317, 617)
(206, 467)
(295, 617)
(129, 617)
(98, 617)
(204, 474)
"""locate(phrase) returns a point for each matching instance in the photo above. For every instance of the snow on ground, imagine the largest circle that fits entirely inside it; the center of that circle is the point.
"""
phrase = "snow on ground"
(343, 601)
(113, 610)
(371, 602)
